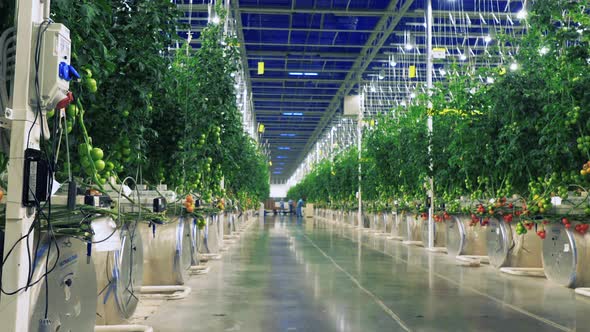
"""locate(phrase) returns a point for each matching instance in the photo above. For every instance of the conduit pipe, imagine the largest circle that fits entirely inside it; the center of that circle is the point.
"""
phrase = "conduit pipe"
(583, 291)
(160, 292)
(123, 328)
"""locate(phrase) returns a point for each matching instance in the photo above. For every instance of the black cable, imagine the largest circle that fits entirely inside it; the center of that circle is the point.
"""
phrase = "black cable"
(105, 239)
(49, 161)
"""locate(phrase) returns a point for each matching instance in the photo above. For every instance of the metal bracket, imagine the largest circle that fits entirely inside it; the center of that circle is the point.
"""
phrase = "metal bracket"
(6, 118)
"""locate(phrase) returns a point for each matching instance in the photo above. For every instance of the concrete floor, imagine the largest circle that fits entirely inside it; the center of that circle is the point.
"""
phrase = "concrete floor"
(285, 275)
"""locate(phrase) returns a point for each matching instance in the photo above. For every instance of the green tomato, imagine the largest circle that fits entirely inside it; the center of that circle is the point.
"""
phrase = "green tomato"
(88, 171)
(126, 152)
(125, 113)
(109, 166)
(84, 149)
(96, 154)
(50, 114)
(99, 165)
(85, 162)
(91, 85)
(72, 111)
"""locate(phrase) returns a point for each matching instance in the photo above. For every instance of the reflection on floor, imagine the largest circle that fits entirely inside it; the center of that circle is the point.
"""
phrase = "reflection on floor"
(292, 275)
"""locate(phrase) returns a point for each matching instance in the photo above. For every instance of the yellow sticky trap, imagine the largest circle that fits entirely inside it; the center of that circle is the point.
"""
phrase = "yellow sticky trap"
(412, 72)
(261, 128)
(270, 163)
(260, 68)
(372, 123)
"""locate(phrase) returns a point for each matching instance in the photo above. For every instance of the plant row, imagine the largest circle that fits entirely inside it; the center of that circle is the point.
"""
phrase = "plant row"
(506, 143)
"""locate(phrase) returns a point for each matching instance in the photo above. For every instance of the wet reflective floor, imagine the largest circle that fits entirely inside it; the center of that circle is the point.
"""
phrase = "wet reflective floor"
(290, 275)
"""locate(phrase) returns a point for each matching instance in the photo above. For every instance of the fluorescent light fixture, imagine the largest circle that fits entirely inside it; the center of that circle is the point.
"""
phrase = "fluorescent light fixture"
(521, 15)
(288, 135)
(487, 38)
(544, 50)
(278, 173)
(462, 57)
(412, 95)
(215, 19)
(490, 80)
(284, 148)
(296, 73)
(514, 66)
(282, 164)
(281, 157)
(292, 114)
(409, 47)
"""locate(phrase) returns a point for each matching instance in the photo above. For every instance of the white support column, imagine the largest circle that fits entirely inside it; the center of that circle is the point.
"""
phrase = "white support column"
(15, 310)
(221, 219)
(359, 146)
(429, 68)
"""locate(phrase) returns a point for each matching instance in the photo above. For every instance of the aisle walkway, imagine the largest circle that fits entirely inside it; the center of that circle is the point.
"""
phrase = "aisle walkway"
(288, 276)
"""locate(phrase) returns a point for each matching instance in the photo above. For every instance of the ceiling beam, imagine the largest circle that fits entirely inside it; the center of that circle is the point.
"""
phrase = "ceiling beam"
(291, 107)
(289, 70)
(323, 55)
(294, 100)
(305, 29)
(263, 44)
(318, 11)
(291, 93)
(291, 87)
(302, 79)
(378, 38)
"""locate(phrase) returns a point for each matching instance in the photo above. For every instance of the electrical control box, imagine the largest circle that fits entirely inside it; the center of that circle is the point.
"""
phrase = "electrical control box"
(53, 71)
(98, 201)
(159, 204)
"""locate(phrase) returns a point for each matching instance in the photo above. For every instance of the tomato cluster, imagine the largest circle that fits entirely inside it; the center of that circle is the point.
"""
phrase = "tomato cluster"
(582, 228)
(189, 204)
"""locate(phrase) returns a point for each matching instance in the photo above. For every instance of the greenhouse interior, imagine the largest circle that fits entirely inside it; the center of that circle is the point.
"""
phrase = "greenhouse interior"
(294, 165)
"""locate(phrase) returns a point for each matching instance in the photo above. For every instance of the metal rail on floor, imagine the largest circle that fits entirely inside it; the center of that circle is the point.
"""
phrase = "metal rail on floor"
(175, 292)
(537, 272)
(123, 328)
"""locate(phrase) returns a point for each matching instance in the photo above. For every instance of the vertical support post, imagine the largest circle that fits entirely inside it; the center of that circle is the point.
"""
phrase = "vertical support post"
(15, 310)
(429, 69)
(359, 146)
(221, 219)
